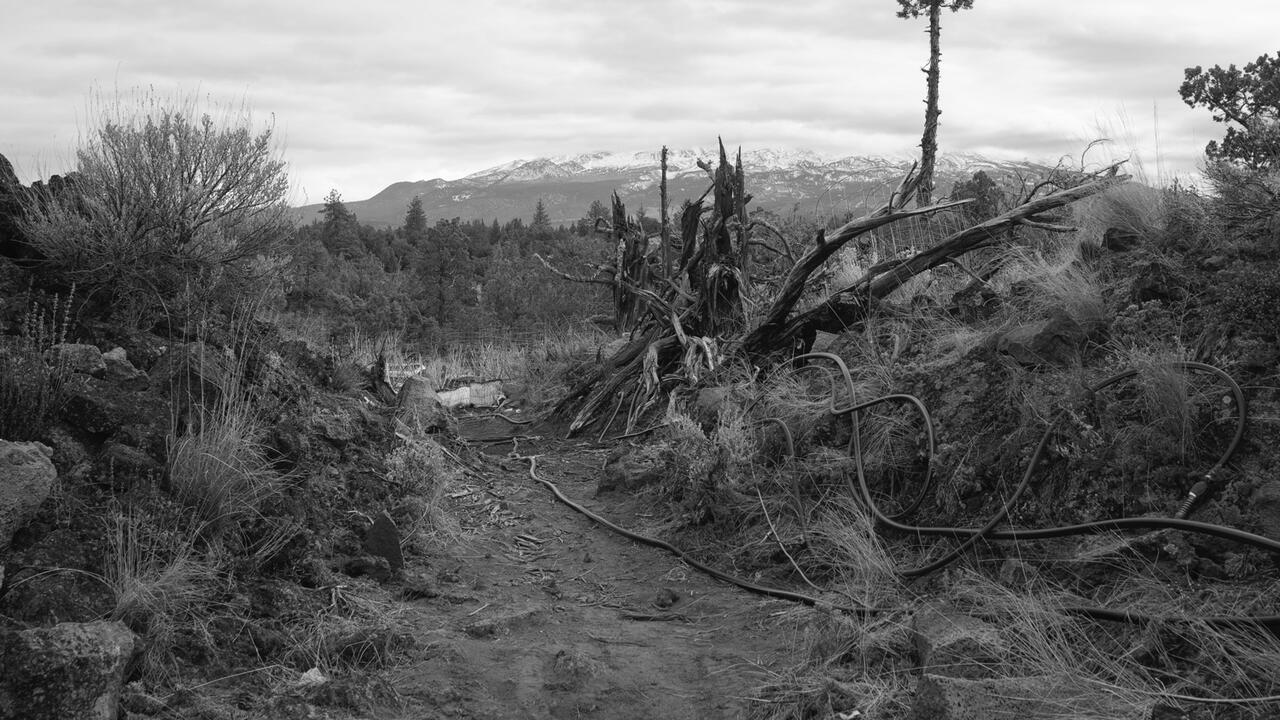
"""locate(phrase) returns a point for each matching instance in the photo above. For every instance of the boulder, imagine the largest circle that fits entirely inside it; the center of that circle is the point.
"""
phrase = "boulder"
(122, 465)
(72, 453)
(708, 403)
(38, 598)
(1055, 341)
(71, 670)
(975, 302)
(631, 468)
(418, 409)
(383, 540)
(957, 645)
(1266, 502)
(939, 697)
(78, 358)
(1120, 240)
(123, 372)
(370, 566)
(8, 178)
(1214, 263)
(28, 473)
(194, 374)
(1153, 280)
(334, 425)
(1018, 574)
(100, 407)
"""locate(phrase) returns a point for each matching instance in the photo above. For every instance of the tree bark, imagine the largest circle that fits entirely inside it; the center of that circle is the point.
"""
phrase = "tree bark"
(929, 142)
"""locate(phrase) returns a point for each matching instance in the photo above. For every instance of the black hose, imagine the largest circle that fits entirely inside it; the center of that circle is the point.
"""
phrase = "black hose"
(701, 567)
(987, 531)
(973, 535)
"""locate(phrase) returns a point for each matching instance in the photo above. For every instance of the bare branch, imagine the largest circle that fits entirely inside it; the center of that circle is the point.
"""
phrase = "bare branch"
(1048, 227)
(611, 282)
(776, 233)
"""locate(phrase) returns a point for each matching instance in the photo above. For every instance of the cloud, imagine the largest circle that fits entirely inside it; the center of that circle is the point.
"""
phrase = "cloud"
(370, 93)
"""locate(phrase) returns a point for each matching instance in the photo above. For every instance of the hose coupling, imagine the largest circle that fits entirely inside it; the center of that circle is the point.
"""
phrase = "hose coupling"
(1195, 493)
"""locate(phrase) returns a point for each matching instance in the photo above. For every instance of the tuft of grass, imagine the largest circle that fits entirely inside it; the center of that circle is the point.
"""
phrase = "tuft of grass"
(1167, 413)
(848, 667)
(1047, 280)
(845, 547)
(162, 588)
(219, 470)
(218, 467)
(352, 632)
(1131, 207)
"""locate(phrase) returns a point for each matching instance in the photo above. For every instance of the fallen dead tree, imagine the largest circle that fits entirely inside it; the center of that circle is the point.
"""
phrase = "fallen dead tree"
(683, 302)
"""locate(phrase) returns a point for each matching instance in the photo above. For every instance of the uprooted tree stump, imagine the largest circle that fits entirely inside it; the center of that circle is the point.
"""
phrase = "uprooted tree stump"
(682, 299)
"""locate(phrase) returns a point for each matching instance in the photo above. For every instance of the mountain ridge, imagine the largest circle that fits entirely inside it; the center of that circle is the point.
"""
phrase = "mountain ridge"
(780, 180)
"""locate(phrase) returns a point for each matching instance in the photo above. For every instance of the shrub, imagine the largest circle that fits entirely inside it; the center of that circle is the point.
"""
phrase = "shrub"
(1249, 298)
(162, 590)
(165, 199)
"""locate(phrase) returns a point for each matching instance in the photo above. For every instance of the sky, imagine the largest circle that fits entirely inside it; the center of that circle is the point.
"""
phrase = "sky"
(364, 94)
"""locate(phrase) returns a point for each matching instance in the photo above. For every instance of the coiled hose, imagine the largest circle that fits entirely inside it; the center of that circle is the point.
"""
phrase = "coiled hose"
(987, 531)
(972, 536)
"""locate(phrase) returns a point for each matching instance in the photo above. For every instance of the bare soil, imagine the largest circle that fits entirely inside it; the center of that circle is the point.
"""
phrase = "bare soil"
(537, 612)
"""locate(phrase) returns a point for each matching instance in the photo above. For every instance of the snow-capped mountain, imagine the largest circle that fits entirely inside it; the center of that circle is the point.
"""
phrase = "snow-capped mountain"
(782, 181)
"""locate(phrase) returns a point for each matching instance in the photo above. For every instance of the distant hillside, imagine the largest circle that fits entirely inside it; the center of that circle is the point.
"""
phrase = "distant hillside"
(778, 180)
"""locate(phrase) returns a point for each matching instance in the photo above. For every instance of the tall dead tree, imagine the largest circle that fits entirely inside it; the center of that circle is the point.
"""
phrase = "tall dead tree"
(929, 141)
(691, 321)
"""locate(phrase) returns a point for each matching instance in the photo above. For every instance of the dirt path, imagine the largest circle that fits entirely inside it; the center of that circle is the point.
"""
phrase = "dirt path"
(540, 613)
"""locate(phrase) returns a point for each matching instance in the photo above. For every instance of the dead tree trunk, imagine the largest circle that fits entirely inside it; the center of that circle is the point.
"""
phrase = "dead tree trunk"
(929, 141)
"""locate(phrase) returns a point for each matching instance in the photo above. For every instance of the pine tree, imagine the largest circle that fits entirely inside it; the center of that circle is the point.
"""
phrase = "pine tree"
(415, 221)
(341, 231)
(541, 221)
(1247, 100)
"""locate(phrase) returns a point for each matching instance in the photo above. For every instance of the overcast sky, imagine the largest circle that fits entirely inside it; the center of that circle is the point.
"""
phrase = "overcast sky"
(367, 93)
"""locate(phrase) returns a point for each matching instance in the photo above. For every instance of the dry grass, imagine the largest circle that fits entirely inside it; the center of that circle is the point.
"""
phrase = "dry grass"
(351, 632)
(217, 466)
(1171, 664)
(1131, 207)
(1046, 280)
(220, 470)
(162, 588)
(844, 545)
(847, 665)
(1167, 413)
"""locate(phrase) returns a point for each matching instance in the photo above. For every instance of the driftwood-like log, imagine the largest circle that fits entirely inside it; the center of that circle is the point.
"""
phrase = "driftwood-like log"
(608, 273)
(762, 338)
(848, 307)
